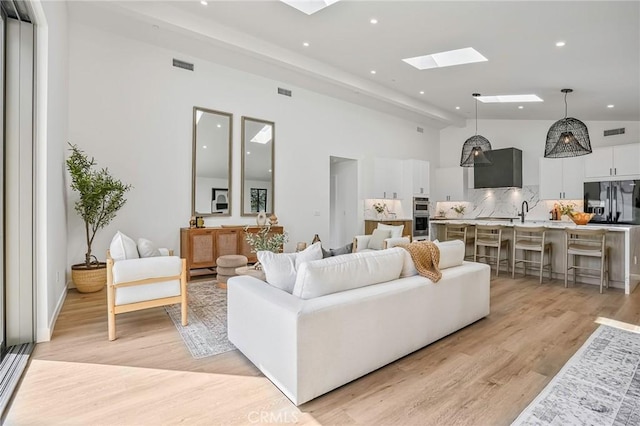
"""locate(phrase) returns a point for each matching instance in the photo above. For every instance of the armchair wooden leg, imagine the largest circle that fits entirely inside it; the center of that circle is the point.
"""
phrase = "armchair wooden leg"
(111, 301)
(183, 293)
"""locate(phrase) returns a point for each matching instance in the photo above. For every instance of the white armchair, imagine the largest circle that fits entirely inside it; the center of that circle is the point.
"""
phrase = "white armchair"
(149, 282)
(361, 242)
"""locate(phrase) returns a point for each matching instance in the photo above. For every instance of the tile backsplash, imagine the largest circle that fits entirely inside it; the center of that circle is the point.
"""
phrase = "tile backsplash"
(503, 202)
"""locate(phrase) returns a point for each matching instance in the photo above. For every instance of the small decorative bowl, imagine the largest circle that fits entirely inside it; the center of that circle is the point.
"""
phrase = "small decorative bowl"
(581, 218)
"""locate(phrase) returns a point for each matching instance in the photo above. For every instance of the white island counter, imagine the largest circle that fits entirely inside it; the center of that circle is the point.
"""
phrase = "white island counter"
(623, 242)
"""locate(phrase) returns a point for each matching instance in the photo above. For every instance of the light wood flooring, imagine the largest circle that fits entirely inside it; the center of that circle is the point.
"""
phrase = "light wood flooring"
(484, 374)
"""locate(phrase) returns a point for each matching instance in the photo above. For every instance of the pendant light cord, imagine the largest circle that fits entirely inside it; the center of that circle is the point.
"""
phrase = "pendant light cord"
(477, 115)
(565, 104)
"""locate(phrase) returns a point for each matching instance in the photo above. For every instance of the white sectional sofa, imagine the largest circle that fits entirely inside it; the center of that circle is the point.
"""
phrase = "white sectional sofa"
(310, 342)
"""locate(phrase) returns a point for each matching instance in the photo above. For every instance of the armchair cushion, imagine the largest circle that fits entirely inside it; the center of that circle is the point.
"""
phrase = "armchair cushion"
(396, 230)
(123, 247)
(140, 269)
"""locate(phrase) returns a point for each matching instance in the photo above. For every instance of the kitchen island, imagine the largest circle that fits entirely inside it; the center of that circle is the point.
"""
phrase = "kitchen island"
(623, 242)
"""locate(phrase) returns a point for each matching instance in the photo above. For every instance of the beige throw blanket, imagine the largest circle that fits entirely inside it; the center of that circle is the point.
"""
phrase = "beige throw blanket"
(426, 257)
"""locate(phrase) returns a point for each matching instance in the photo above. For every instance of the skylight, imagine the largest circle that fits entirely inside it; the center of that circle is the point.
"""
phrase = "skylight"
(509, 98)
(263, 136)
(467, 55)
(309, 6)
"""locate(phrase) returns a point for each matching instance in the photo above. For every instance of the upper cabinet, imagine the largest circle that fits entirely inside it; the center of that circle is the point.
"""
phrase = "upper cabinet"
(416, 178)
(613, 163)
(386, 179)
(450, 184)
(561, 178)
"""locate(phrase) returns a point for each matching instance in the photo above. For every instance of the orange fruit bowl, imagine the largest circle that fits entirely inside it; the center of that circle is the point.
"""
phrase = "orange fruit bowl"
(581, 218)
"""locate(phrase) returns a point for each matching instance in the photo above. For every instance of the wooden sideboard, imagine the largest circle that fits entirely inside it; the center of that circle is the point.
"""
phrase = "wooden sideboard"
(202, 246)
(370, 225)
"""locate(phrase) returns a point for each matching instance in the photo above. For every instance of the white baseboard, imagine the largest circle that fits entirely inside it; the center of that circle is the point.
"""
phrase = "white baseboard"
(43, 334)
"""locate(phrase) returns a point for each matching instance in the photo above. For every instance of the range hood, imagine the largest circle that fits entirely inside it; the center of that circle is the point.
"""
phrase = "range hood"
(505, 169)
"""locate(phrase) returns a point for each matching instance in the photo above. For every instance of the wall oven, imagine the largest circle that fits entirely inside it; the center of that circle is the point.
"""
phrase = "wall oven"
(420, 218)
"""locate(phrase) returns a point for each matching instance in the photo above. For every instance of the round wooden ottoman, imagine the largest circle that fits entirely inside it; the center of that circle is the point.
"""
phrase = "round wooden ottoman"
(226, 267)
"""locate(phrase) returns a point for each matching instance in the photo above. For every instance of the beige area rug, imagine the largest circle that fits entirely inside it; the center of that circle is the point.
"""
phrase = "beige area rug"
(206, 333)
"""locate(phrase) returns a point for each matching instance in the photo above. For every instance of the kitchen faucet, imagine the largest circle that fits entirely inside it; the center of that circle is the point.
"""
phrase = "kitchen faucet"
(521, 214)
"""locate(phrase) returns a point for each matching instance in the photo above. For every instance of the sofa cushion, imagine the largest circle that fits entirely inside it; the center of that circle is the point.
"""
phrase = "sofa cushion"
(139, 269)
(451, 254)
(340, 273)
(147, 248)
(123, 247)
(396, 230)
(280, 268)
(377, 239)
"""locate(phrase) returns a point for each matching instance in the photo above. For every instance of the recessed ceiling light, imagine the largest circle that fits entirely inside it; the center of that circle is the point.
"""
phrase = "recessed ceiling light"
(457, 107)
(305, 44)
(204, 146)
(204, 2)
(373, 21)
(610, 106)
(509, 98)
(248, 152)
(309, 6)
(520, 107)
(270, 170)
(219, 125)
(467, 55)
(422, 92)
(373, 71)
(560, 44)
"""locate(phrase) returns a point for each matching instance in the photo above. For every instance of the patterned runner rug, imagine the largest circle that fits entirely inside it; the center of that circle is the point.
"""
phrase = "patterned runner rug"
(599, 385)
(206, 333)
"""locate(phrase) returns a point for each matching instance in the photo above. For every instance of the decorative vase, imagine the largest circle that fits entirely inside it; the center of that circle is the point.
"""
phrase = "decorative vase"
(261, 219)
(273, 219)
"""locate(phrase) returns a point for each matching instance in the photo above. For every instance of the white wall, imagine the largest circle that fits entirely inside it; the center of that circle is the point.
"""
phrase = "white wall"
(344, 203)
(132, 110)
(529, 136)
(52, 121)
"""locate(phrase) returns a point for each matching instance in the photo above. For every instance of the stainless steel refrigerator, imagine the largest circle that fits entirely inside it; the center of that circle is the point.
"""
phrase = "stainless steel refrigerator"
(613, 202)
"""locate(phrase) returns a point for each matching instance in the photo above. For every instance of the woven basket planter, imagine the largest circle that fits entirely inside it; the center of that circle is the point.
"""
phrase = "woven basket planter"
(89, 280)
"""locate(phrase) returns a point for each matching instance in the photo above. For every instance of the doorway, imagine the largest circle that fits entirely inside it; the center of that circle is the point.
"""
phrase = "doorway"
(343, 209)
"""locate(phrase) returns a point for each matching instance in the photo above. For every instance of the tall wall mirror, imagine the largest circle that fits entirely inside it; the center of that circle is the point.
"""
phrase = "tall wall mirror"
(258, 139)
(211, 180)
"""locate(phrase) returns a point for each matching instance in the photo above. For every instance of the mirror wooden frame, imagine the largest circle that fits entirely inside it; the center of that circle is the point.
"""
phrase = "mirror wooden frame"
(273, 171)
(193, 161)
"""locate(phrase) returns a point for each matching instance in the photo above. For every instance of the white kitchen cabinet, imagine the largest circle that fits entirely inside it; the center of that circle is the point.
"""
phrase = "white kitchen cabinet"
(613, 162)
(387, 178)
(416, 178)
(561, 178)
(450, 184)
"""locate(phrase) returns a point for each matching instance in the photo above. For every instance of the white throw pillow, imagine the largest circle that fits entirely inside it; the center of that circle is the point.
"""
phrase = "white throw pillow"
(347, 272)
(123, 247)
(408, 267)
(396, 231)
(280, 269)
(377, 239)
(147, 249)
(451, 253)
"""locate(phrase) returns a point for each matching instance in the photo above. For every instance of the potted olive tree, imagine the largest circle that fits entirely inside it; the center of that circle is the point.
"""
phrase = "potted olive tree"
(101, 196)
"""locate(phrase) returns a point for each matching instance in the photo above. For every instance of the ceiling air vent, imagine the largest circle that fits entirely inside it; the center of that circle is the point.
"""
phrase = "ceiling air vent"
(182, 64)
(420, 130)
(284, 92)
(613, 132)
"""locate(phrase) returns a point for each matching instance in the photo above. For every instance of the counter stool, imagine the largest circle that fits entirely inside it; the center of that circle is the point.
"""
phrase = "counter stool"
(490, 236)
(587, 242)
(226, 267)
(528, 238)
(460, 232)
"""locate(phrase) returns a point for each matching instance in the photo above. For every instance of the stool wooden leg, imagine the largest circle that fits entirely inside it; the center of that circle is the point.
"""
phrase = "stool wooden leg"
(566, 264)
(541, 263)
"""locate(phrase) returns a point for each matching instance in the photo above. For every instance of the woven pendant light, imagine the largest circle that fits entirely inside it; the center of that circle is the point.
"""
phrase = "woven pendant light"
(568, 137)
(474, 148)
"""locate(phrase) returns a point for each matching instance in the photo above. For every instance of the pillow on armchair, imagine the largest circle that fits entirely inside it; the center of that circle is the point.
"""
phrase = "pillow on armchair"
(377, 239)
(123, 247)
(396, 230)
